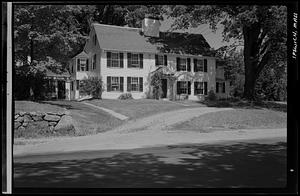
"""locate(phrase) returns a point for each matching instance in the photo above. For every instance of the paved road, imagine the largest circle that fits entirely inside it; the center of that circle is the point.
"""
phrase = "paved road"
(251, 163)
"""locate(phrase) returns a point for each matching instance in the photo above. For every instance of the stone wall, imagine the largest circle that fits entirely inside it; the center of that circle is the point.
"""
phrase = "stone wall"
(32, 124)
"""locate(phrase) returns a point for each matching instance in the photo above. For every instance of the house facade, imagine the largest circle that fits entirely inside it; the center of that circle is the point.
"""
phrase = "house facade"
(125, 58)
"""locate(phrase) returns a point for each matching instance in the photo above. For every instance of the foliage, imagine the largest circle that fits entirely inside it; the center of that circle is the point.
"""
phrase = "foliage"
(262, 29)
(271, 84)
(211, 96)
(29, 82)
(156, 84)
(124, 96)
(92, 86)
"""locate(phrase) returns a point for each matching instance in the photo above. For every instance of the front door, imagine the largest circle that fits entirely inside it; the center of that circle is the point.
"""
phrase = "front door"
(61, 89)
(164, 88)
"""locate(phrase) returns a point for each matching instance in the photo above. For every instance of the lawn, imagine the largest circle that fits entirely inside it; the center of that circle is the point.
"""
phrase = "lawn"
(235, 119)
(30, 106)
(137, 108)
(87, 120)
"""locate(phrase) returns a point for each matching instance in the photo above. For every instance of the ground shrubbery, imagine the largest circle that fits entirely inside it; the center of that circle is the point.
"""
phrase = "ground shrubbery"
(124, 96)
(211, 96)
(92, 86)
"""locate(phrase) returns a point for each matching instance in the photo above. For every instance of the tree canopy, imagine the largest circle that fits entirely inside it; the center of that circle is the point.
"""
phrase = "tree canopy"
(262, 29)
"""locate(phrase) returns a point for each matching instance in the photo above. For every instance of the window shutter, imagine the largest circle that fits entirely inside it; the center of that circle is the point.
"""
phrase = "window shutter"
(156, 60)
(128, 84)
(189, 87)
(223, 87)
(87, 64)
(141, 84)
(188, 64)
(128, 60)
(141, 61)
(108, 57)
(217, 87)
(205, 88)
(121, 84)
(178, 88)
(195, 87)
(78, 64)
(205, 65)
(195, 65)
(121, 60)
(165, 60)
(177, 63)
(108, 83)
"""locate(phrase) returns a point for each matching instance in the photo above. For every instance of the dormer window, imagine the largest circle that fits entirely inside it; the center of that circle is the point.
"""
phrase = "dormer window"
(81, 64)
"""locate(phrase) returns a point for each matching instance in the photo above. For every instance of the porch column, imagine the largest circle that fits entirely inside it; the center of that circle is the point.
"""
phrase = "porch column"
(56, 88)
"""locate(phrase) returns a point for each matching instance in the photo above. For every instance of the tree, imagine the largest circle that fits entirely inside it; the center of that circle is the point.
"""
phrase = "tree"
(262, 29)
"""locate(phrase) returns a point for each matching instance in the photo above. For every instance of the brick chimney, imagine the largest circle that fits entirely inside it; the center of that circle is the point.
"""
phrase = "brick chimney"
(150, 26)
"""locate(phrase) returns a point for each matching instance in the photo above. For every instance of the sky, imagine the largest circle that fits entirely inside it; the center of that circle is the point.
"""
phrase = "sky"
(214, 39)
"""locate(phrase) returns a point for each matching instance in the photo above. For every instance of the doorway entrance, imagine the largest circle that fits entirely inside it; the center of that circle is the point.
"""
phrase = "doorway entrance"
(61, 85)
(164, 88)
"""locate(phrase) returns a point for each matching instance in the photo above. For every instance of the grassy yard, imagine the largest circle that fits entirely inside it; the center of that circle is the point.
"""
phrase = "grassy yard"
(30, 106)
(137, 108)
(87, 120)
(235, 119)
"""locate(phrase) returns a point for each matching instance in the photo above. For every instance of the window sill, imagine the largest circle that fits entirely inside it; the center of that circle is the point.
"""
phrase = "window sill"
(115, 67)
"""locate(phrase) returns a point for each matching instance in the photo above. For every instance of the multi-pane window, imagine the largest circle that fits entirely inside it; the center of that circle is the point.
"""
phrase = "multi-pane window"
(200, 88)
(135, 60)
(114, 59)
(94, 61)
(82, 64)
(134, 84)
(160, 60)
(182, 65)
(183, 87)
(115, 84)
(198, 65)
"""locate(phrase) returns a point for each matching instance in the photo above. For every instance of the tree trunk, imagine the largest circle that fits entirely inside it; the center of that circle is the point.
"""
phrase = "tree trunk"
(251, 50)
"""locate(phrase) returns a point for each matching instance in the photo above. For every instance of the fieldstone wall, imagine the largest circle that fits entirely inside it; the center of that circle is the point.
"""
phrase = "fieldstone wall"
(31, 124)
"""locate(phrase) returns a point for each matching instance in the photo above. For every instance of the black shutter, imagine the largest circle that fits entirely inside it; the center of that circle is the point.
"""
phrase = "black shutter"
(195, 88)
(141, 61)
(141, 84)
(189, 87)
(121, 60)
(205, 88)
(223, 87)
(165, 60)
(108, 57)
(78, 64)
(121, 84)
(156, 60)
(87, 64)
(177, 63)
(178, 89)
(205, 65)
(128, 60)
(195, 65)
(108, 83)
(188, 64)
(128, 84)
(217, 87)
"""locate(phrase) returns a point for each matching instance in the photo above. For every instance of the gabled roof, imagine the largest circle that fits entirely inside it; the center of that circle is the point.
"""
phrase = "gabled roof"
(81, 55)
(131, 39)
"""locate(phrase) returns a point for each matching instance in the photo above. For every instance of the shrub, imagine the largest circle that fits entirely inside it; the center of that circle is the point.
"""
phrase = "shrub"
(211, 96)
(92, 86)
(124, 96)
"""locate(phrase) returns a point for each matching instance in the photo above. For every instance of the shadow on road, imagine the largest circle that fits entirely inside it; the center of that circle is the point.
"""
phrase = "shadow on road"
(189, 166)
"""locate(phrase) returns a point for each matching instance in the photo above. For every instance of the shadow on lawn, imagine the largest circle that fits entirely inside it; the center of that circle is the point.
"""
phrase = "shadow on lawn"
(246, 105)
(219, 166)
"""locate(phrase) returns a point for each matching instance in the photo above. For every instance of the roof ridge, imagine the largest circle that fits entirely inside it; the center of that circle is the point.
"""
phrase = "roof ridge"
(115, 26)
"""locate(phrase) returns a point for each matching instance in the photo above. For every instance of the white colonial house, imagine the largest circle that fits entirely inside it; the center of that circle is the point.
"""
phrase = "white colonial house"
(124, 57)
